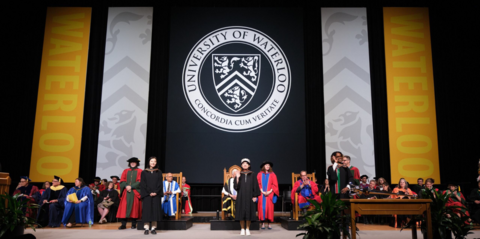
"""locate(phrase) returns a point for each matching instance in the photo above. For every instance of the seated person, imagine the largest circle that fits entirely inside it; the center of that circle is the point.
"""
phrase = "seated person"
(170, 190)
(79, 205)
(116, 183)
(27, 192)
(402, 189)
(428, 186)
(383, 185)
(52, 204)
(418, 188)
(186, 202)
(106, 200)
(363, 182)
(45, 186)
(475, 199)
(306, 189)
(229, 195)
(96, 187)
(457, 200)
(372, 187)
(325, 188)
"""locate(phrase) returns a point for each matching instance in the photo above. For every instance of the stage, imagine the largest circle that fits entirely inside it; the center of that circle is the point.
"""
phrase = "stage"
(202, 230)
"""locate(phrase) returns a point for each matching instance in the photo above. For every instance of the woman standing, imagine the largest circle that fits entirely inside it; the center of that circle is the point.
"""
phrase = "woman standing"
(151, 190)
(267, 181)
(106, 200)
(247, 189)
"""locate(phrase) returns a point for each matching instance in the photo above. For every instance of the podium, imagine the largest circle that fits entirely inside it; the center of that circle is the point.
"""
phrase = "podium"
(5, 182)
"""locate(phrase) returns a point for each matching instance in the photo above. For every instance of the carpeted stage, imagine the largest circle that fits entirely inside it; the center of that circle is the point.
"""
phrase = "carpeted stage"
(203, 230)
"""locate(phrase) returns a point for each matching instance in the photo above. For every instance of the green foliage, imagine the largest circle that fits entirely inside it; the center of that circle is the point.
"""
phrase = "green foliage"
(13, 215)
(326, 219)
(440, 221)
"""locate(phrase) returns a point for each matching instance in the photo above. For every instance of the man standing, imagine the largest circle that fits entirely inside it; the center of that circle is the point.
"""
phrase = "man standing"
(354, 170)
(52, 204)
(306, 189)
(130, 205)
(186, 202)
(170, 190)
(339, 176)
(229, 195)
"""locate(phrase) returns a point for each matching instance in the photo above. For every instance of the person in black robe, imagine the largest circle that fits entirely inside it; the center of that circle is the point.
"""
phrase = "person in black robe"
(230, 195)
(107, 199)
(52, 204)
(248, 190)
(475, 199)
(372, 187)
(339, 176)
(151, 191)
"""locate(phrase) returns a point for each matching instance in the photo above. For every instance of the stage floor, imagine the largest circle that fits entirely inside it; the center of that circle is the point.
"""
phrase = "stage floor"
(202, 230)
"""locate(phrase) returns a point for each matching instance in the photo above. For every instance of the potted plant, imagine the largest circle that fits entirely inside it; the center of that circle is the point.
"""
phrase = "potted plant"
(444, 220)
(326, 219)
(12, 218)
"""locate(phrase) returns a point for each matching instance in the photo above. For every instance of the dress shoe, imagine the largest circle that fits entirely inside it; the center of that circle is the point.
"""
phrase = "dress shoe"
(146, 232)
(134, 226)
(122, 227)
(154, 232)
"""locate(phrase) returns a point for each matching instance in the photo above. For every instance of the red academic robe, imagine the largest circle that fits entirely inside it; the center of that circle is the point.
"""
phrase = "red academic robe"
(116, 186)
(188, 203)
(356, 173)
(136, 211)
(100, 187)
(302, 199)
(272, 184)
(34, 189)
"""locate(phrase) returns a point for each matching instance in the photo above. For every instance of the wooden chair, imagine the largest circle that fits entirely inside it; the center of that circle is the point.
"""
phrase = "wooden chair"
(177, 177)
(295, 207)
(226, 176)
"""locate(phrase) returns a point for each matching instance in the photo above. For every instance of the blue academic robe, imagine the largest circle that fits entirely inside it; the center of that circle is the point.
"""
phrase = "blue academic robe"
(52, 212)
(170, 207)
(84, 211)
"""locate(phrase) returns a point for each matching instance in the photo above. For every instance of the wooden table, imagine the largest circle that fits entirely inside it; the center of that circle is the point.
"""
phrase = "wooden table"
(389, 207)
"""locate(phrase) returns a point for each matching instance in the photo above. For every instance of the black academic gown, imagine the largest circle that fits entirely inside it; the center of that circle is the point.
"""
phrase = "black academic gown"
(151, 182)
(51, 213)
(475, 211)
(247, 188)
(346, 178)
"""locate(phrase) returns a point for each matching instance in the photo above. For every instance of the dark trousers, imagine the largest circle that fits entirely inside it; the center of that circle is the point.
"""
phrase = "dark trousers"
(124, 221)
(72, 217)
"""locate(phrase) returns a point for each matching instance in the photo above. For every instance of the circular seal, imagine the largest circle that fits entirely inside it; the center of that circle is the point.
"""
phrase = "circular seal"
(236, 79)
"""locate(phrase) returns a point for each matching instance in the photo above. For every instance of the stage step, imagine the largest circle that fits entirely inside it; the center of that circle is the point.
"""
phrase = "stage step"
(290, 224)
(183, 223)
(231, 225)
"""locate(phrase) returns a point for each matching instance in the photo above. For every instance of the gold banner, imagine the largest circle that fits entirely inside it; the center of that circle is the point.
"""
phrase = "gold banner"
(61, 93)
(412, 120)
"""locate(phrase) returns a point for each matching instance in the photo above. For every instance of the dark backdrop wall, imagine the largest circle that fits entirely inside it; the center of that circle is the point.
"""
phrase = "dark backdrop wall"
(454, 65)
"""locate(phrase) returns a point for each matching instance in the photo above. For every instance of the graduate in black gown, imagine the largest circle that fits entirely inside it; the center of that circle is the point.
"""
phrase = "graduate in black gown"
(248, 191)
(151, 191)
(52, 204)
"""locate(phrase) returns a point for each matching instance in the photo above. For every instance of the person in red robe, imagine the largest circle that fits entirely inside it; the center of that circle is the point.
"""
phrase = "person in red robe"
(116, 182)
(268, 183)
(456, 199)
(130, 205)
(306, 189)
(27, 192)
(353, 169)
(186, 202)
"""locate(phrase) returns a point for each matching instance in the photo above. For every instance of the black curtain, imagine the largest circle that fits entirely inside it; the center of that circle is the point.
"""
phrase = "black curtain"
(454, 62)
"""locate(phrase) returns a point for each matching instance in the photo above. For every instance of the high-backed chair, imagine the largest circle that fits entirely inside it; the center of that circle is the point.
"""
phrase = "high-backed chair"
(226, 176)
(295, 207)
(177, 177)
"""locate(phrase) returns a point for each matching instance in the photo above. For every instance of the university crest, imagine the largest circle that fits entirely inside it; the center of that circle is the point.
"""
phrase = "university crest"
(236, 78)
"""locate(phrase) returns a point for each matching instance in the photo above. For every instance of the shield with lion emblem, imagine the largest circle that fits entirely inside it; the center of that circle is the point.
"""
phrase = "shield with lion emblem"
(236, 78)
